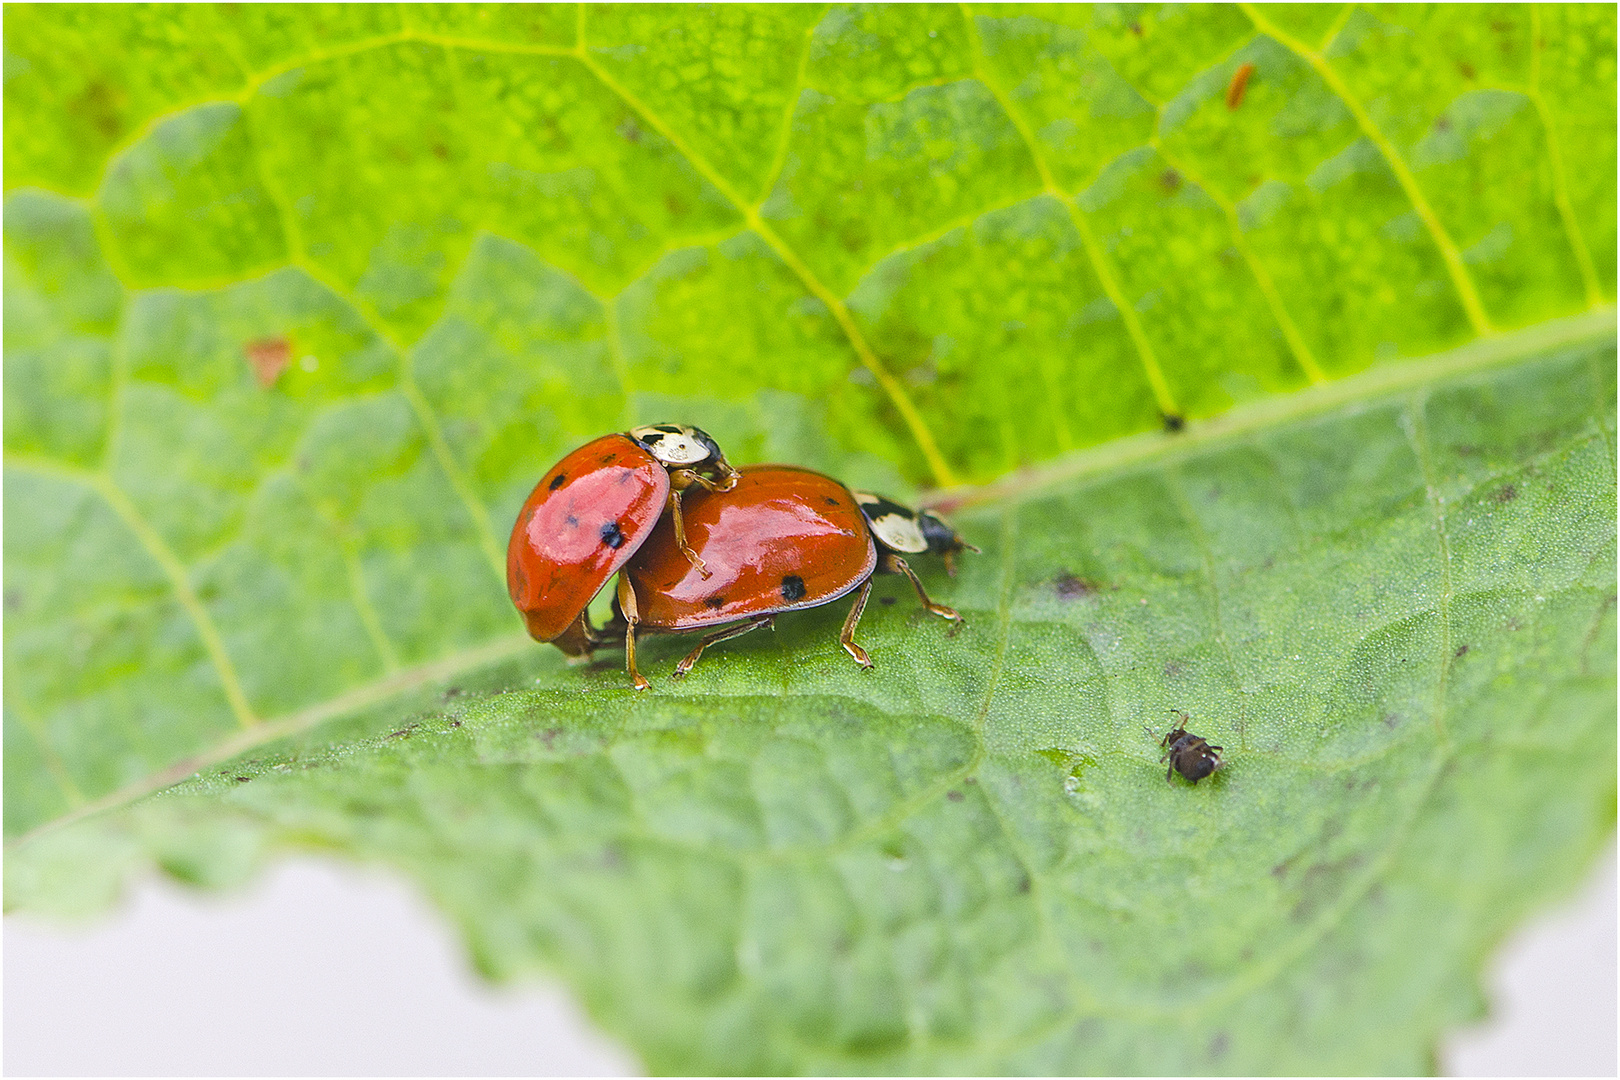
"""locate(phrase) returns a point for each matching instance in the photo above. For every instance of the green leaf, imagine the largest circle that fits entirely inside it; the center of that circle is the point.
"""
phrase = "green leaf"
(300, 302)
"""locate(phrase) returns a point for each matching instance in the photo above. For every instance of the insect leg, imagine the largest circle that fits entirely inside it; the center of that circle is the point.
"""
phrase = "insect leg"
(680, 530)
(846, 637)
(627, 605)
(894, 564)
(720, 635)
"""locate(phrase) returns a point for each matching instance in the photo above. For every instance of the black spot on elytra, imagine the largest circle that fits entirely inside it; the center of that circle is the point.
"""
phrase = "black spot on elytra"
(715, 601)
(611, 536)
(793, 588)
(562, 478)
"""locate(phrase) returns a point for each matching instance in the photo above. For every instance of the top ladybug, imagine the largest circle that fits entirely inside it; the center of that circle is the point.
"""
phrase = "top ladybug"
(590, 513)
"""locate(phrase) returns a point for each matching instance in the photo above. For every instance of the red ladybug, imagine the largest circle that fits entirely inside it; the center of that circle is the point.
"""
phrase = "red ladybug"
(783, 538)
(590, 513)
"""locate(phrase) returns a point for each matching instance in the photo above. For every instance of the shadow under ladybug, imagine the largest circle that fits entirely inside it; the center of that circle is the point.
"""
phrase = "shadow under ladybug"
(1190, 755)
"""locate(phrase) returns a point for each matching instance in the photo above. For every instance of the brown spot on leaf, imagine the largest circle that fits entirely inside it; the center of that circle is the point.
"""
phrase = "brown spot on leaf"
(1070, 587)
(954, 796)
(242, 779)
(1462, 650)
(1239, 83)
(99, 107)
(1466, 69)
(1136, 28)
(1170, 181)
(269, 358)
(1506, 493)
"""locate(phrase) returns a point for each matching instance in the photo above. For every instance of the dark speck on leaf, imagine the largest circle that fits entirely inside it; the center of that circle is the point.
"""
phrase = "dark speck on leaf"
(1462, 650)
(1173, 422)
(1466, 69)
(1023, 884)
(954, 796)
(1217, 1045)
(1069, 587)
(1442, 125)
(630, 131)
(611, 536)
(886, 601)
(793, 588)
(1136, 28)
(455, 723)
(403, 733)
(243, 779)
(1506, 493)
(1170, 180)
(561, 479)
(441, 151)
(14, 599)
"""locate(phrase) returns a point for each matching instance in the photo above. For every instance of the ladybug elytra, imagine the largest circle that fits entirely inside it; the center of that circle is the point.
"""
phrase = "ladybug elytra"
(590, 513)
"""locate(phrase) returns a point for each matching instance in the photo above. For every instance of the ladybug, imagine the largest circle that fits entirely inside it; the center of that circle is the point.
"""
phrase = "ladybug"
(591, 512)
(1190, 755)
(782, 539)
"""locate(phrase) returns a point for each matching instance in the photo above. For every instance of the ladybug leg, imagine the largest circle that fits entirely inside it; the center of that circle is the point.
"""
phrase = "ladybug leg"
(894, 564)
(680, 531)
(688, 476)
(627, 605)
(720, 635)
(846, 638)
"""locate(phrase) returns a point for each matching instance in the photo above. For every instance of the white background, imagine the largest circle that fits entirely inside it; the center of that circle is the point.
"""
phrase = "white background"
(321, 968)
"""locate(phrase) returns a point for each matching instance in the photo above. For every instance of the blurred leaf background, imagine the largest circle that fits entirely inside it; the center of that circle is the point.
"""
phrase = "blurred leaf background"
(300, 300)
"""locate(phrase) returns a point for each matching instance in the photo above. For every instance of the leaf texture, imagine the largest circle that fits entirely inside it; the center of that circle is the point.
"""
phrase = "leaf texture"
(300, 302)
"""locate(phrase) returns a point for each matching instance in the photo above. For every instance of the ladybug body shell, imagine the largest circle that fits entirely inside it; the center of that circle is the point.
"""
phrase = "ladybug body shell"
(583, 521)
(784, 538)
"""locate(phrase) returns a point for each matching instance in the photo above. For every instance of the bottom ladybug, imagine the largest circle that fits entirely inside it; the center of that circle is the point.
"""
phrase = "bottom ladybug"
(782, 539)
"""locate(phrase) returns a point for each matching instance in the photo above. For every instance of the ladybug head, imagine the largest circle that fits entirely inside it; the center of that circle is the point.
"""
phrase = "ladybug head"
(941, 538)
(679, 446)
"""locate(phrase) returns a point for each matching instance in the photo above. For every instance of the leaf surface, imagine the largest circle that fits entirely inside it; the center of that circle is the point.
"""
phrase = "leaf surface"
(301, 301)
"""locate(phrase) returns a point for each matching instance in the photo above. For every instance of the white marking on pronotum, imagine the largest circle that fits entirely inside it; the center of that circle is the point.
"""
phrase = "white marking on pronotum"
(895, 527)
(671, 447)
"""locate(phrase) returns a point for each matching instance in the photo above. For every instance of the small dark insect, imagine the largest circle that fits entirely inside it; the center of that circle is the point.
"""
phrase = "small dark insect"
(1188, 754)
(1173, 422)
(1239, 83)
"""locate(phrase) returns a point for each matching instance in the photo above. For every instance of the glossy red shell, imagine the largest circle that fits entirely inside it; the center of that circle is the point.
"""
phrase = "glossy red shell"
(581, 522)
(784, 538)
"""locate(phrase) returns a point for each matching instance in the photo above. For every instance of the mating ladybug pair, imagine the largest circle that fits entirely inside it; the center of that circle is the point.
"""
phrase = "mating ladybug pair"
(698, 544)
